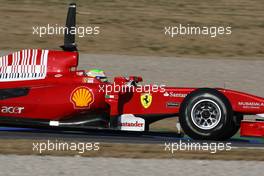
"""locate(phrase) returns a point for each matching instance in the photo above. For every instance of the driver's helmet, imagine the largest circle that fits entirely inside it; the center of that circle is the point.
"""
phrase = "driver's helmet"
(97, 73)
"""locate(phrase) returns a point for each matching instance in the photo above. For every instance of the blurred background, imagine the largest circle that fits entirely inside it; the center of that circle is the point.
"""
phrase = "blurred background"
(137, 27)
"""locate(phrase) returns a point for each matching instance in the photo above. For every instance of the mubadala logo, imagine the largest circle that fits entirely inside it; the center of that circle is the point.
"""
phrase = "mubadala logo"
(173, 94)
(12, 110)
(251, 104)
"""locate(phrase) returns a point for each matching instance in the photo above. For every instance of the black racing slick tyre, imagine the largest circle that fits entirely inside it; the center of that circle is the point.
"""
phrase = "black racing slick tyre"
(206, 114)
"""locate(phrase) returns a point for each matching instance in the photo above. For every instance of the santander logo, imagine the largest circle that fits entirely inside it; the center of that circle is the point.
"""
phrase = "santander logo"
(131, 124)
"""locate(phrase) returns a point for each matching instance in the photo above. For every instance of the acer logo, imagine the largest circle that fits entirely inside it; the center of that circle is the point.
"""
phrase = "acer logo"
(12, 110)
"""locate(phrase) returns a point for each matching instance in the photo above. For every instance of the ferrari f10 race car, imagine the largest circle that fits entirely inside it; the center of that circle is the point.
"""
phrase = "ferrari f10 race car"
(43, 88)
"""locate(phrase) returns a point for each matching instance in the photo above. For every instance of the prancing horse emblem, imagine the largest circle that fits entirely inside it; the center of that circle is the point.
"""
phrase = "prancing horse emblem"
(146, 100)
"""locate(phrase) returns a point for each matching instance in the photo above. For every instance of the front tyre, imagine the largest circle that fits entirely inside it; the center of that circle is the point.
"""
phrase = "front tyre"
(206, 114)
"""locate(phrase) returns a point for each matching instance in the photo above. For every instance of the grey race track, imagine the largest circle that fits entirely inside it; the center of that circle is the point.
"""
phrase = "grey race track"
(110, 136)
(243, 75)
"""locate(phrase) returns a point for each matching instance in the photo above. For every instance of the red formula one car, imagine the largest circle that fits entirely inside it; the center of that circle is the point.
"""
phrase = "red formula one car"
(43, 88)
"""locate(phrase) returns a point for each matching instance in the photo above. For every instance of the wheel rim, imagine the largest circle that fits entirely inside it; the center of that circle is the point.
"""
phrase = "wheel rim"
(206, 114)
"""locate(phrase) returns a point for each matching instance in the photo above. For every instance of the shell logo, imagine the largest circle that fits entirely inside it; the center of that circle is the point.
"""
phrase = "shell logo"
(82, 97)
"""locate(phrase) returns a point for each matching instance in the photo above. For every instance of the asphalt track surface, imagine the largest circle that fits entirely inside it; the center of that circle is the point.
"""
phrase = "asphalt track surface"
(112, 136)
(245, 75)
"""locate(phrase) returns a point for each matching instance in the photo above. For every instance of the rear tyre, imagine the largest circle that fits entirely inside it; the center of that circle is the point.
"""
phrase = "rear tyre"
(206, 114)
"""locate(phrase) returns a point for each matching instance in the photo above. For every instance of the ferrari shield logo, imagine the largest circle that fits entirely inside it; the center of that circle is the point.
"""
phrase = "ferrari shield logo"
(146, 100)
